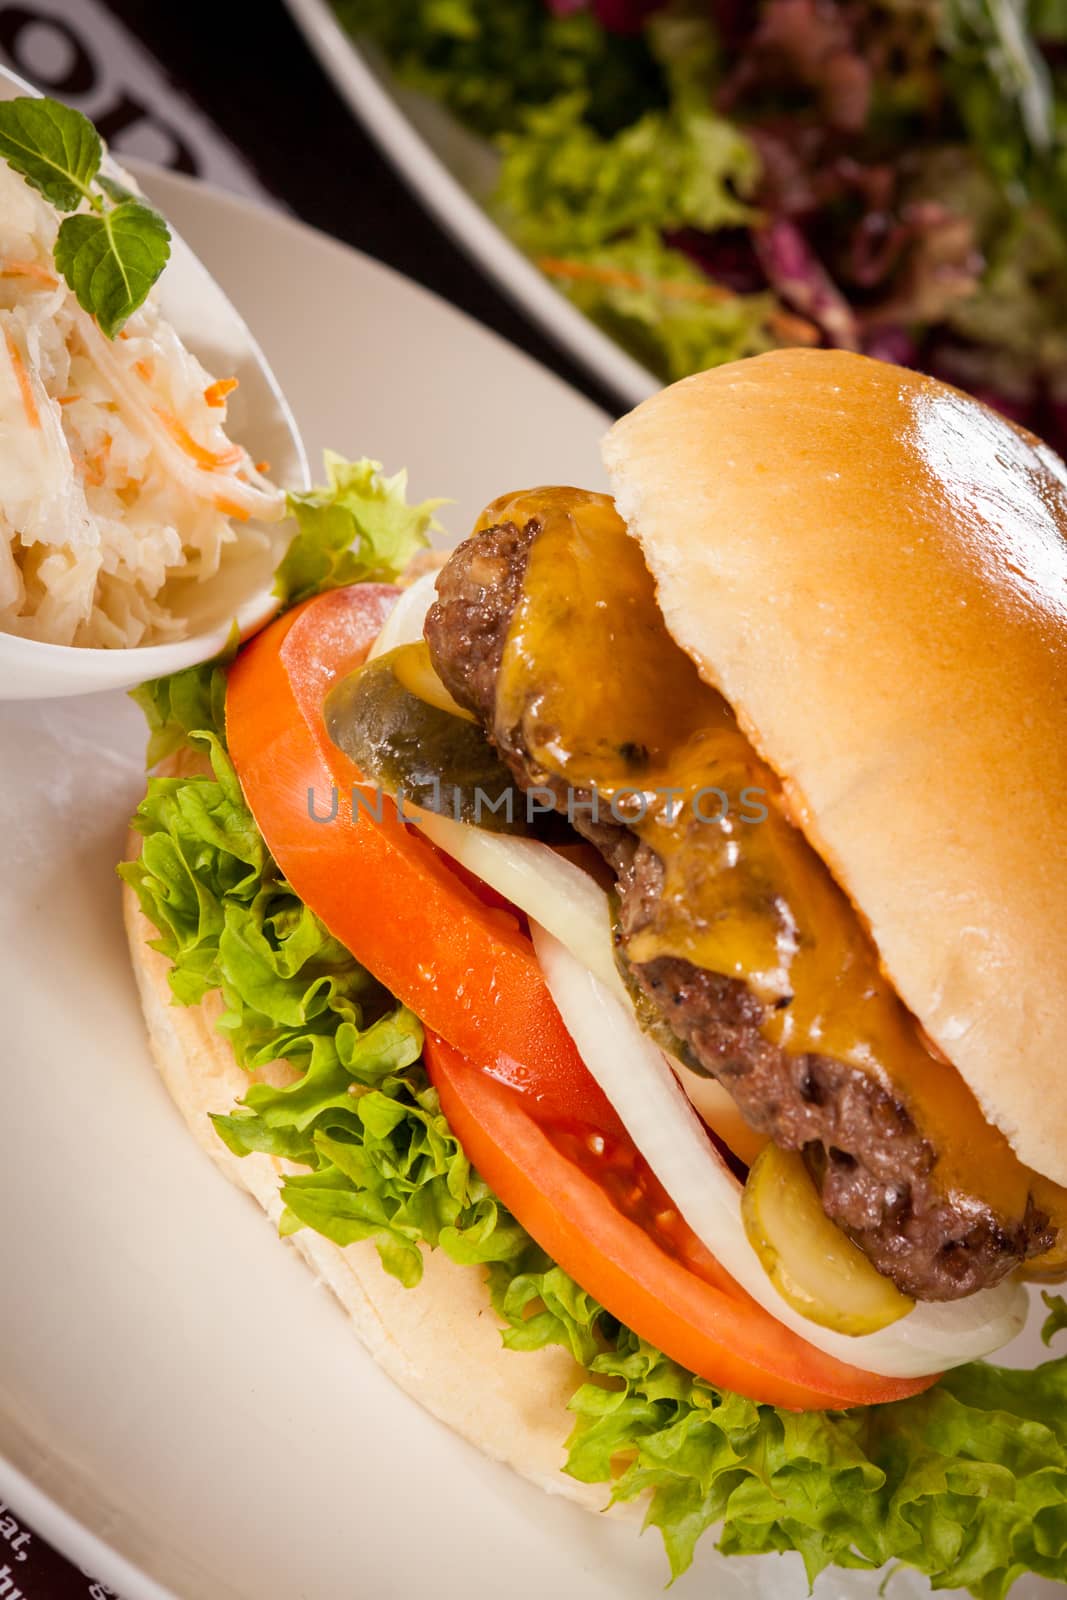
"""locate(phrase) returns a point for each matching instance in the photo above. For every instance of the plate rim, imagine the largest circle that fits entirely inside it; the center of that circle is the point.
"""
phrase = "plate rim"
(458, 213)
(73, 1539)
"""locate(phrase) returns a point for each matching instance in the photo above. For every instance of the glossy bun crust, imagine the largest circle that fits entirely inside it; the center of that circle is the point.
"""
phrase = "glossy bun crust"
(872, 567)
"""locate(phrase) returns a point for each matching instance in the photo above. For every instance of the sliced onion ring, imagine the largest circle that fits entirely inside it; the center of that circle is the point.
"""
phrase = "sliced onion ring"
(404, 623)
(633, 1073)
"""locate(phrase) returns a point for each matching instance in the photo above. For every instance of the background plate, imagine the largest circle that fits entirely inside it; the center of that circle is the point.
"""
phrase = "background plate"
(182, 1409)
(452, 172)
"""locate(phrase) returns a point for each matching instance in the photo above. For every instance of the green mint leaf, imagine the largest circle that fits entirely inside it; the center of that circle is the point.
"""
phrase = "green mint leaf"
(112, 259)
(1056, 1321)
(114, 189)
(55, 149)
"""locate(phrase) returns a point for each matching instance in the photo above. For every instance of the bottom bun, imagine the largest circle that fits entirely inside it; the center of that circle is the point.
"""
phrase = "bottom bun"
(440, 1341)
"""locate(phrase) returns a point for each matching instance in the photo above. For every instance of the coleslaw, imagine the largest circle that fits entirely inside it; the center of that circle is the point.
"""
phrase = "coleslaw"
(118, 482)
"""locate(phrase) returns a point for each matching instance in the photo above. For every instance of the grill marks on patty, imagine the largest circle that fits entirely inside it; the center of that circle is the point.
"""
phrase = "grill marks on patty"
(877, 1173)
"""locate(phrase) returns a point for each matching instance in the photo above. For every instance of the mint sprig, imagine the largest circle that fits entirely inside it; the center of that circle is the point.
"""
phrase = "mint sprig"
(112, 253)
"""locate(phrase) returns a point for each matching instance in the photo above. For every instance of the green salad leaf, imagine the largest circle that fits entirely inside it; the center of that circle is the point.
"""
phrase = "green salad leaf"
(360, 1111)
(656, 303)
(358, 528)
(186, 702)
(1056, 1321)
(1020, 306)
(1001, 82)
(487, 60)
(592, 212)
(564, 188)
(966, 1483)
(111, 254)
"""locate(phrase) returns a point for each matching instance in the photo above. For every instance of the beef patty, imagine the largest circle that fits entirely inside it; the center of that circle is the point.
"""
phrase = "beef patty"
(877, 1173)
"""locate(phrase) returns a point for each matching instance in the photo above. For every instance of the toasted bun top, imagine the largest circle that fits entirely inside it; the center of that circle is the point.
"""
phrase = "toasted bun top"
(872, 568)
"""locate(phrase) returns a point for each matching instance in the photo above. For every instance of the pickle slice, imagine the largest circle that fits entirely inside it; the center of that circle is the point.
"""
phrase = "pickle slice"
(812, 1264)
(415, 748)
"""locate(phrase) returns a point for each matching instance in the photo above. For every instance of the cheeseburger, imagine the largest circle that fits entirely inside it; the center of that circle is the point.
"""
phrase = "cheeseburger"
(650, 923)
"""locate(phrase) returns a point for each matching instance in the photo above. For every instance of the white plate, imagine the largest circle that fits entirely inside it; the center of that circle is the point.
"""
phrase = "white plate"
(452, 173)
(182, 1409)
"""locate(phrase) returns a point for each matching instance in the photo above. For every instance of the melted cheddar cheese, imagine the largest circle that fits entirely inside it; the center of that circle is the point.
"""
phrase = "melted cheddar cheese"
(605, 700)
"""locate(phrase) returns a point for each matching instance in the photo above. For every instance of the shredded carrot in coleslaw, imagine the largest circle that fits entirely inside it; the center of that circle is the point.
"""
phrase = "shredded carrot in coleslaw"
(215, 393)
(210, 460)
(228, 509)
(29, 269)
(94, 467)
(22, 378)
(116, 475)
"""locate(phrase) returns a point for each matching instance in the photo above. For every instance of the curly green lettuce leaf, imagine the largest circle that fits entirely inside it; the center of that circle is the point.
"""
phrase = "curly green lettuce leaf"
(199, 849)
(356, 1107)
(186, 702)
(358, 528)
(967, 1483)
(487, 61)
(1056, 1321)
(592, 213)
(564, 188)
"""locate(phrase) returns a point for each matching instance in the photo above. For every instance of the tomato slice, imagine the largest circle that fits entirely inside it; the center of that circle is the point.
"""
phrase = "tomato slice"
(714, 1330)
(507, 1070)
(460, 962)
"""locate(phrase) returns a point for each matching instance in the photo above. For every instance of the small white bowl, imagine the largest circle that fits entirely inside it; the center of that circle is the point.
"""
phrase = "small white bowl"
(258, 417)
